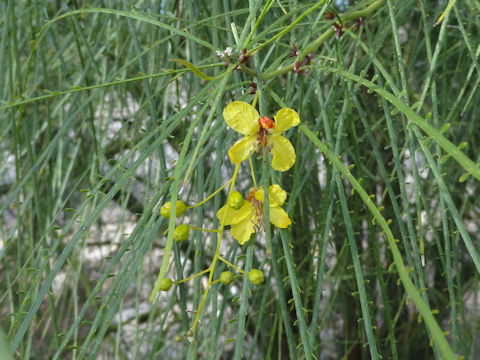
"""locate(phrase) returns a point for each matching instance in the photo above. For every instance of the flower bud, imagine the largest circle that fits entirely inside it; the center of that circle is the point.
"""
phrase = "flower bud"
(165, 209)
(235, 200)
(166, 284)
(226, 277)
(178, 338)
(181, 233)
(256, 276)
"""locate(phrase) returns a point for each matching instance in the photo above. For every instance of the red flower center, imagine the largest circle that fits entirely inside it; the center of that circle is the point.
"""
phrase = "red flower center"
(266, 123)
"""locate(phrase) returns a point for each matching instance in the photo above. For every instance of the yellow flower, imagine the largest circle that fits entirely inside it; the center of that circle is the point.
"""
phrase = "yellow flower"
(247, 219)
(261, 134)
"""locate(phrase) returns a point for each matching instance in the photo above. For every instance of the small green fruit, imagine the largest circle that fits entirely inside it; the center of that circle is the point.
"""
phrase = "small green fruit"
(226, 277)
(165, 209)
(236, 200)
(166, 284)
(256, 276)
(181, 233)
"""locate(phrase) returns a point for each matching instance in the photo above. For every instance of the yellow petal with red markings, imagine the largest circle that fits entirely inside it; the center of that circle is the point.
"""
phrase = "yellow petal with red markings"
(242, 149)
(285, 119)
(243, 230)
(279, 217)
(282, 152)
(276, 195)
(242, 117)
(233, 216)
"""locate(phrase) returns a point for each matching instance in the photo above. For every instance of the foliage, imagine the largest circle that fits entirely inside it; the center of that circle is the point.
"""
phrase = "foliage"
(113, 120)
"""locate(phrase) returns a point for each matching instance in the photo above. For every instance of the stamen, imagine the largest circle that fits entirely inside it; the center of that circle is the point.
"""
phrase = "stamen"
(251, 195)
(266, 123)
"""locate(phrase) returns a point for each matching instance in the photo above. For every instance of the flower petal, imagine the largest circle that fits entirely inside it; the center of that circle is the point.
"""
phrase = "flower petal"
(285, 119)
(276, 195)
(259, 195)
(242, 117)
(279, 217)
(243, 230)
(235, 216)
(242, 149)
(282, 152)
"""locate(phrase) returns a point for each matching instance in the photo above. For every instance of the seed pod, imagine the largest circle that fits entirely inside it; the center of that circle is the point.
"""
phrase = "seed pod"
(165, 209)
(256, 276)
(226, 277)
(235, 200)
(181, 233)
(166, 284)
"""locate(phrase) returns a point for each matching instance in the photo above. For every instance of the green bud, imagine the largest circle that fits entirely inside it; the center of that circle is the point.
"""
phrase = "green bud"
(236, 200)
(165, 209)
(178, 338)
(181, 233)
(166, 284)
(256, 276)
(226, 277)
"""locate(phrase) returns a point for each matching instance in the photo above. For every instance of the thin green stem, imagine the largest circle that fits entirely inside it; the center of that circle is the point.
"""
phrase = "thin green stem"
(252, 172)
(314, 45)
(210, 196)
(437, 334)
(192, 276)
(203, 229)
(215, 257)
(231, 265)
(287, 29)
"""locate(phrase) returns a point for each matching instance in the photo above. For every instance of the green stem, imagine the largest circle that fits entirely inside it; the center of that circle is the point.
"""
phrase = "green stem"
(216, 256)
(202, 229)
(446, 145)
(231, 265)
(192, 276)
(314, 45)
(252, 172)
(412, 292)
(286, 30)
(210, 196)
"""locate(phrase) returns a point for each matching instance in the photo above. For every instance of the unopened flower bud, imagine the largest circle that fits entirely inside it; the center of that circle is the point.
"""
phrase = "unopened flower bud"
(226, 277)
(178, 338)
(235, 200)
(256, 276)
(165, 209)
(181, 233)
(165, 284)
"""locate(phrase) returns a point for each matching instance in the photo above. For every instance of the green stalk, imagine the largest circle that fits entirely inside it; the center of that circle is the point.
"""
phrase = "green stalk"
(412, 292)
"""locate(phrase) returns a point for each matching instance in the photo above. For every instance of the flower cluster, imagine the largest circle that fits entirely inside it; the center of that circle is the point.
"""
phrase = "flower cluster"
(261, 134)
(245, 216)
